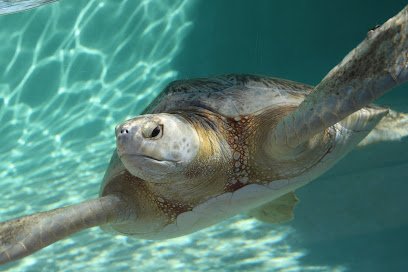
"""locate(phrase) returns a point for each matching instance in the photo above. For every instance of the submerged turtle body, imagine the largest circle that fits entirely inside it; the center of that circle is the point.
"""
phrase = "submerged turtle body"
(208, 149)
(236, 168)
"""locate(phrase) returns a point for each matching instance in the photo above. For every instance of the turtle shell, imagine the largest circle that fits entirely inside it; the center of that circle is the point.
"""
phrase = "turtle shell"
(229, 95)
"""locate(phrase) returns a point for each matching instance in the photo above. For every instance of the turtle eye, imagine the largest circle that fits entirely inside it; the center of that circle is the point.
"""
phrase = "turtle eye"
(152, 130)
(156, 132)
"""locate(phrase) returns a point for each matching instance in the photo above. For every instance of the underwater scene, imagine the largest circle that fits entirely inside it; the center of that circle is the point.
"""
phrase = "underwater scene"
(72, 70)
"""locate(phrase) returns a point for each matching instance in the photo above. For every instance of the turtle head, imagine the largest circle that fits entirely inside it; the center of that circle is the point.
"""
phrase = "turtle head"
(157, 147)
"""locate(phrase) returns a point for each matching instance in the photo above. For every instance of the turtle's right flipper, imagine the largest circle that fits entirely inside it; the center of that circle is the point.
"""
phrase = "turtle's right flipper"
(23, 236)
(13, 6)
(375, 66)
(392, 127)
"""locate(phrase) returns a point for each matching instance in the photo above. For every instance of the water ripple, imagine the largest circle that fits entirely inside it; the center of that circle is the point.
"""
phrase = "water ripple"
(68, 73)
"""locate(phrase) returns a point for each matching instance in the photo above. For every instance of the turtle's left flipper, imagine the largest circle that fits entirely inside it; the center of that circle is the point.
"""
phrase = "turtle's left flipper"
(378, 64)
(13, 6)
(25, 235)
(392, 127)
(277, 211)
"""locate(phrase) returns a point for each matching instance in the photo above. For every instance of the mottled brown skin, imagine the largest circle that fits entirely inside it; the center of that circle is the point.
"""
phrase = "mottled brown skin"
(230, 157)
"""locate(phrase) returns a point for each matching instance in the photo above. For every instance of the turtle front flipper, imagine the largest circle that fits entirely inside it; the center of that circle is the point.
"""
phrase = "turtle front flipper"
(23, 236)
(378, 64)
(392, 127)
(13, 6)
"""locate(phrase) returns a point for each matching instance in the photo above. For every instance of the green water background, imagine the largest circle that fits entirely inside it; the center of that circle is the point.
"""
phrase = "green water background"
(71, 71)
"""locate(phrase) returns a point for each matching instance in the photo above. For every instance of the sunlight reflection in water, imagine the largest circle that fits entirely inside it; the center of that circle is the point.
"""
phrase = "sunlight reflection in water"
(68, 73)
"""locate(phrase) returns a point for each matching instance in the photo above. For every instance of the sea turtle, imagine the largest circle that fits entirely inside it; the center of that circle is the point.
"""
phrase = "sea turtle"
(208, 149)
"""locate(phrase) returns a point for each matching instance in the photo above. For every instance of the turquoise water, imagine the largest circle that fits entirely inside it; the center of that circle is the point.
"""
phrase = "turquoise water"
(70, 71)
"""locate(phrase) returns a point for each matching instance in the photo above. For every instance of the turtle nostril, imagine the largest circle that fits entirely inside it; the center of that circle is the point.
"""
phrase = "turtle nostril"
(122, 131)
